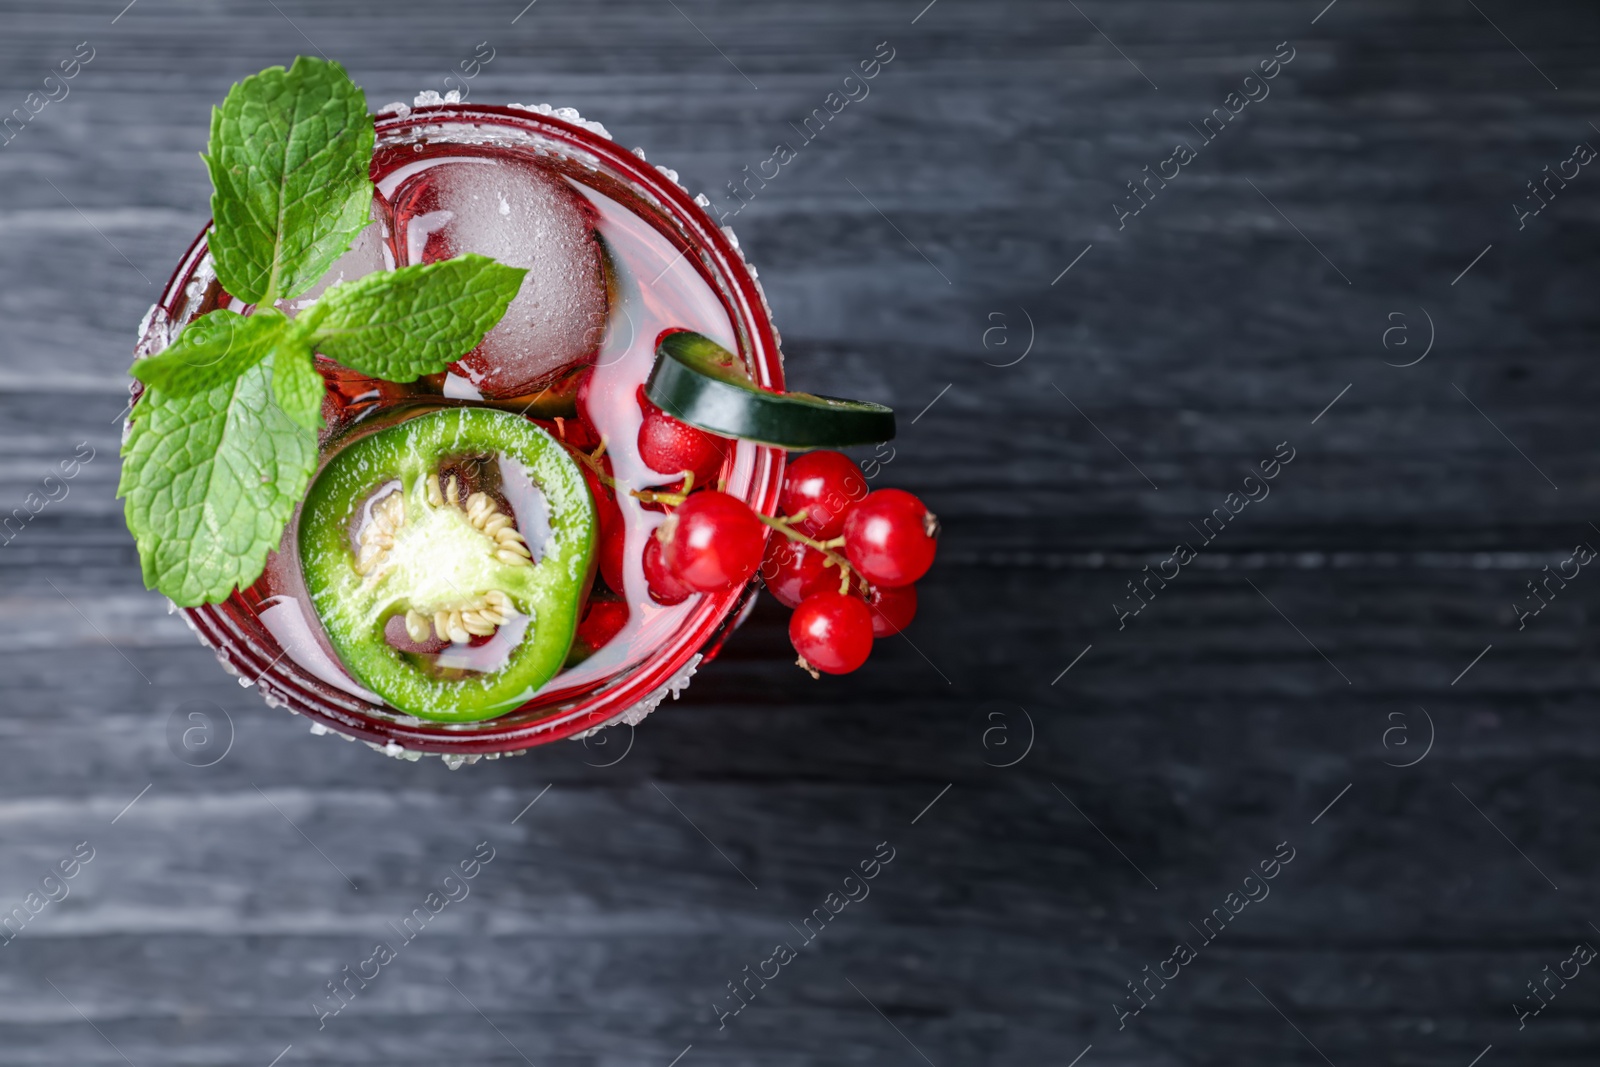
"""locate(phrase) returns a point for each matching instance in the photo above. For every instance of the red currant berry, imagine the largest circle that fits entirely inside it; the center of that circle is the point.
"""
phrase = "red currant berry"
(665, 587)
(613, 544)
(605, 501)
(712, 541)
(581, 399)
(793, 572)
(668, 446)
(825, 484)
(890, 538)
(602, 620)
(574, 433)
(893, 608)
(611, 532)
(832, 632)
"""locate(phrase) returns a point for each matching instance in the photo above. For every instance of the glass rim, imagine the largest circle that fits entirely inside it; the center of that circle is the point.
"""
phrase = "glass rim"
(714, 251)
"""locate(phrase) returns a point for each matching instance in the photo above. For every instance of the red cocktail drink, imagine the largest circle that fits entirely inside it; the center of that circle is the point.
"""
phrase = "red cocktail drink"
(500, 181)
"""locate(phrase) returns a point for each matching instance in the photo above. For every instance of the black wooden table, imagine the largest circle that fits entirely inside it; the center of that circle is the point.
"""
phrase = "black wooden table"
(1088, 752)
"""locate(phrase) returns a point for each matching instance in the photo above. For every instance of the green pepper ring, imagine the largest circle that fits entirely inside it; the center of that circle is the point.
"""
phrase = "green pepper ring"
(354, 609)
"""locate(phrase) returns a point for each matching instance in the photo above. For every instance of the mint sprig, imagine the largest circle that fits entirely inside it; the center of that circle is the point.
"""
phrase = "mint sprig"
(288, 158)
(223, 442)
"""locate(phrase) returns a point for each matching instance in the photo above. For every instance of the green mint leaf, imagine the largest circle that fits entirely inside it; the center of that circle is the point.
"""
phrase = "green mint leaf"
(215, 348)
(288, 157)
(399, 325)
(296, 383)
(223, 443)
(209, 481)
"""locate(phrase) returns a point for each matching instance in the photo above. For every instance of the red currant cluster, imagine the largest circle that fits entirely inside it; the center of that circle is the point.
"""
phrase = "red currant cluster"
(845, 562)
(888, 538)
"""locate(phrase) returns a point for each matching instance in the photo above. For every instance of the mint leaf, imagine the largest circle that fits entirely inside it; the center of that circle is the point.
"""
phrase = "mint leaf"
(215, 348)
(209, 481)
(296, 383)
(223, 442)
(399, 325)
(288, 157)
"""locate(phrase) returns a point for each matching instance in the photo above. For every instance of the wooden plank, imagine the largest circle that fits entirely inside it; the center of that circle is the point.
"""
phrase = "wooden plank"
(1177, 752)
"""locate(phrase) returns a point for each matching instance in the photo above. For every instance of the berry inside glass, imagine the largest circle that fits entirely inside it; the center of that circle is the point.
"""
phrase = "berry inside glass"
(617, 255)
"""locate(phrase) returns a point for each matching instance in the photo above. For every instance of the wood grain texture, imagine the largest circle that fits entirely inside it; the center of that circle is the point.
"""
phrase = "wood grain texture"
(1176, 753)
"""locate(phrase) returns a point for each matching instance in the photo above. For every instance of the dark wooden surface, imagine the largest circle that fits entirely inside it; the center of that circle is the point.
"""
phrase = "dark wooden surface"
(1197, 739)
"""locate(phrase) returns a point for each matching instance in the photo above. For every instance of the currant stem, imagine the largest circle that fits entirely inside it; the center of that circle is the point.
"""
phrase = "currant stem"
(593, 463)
(783, 527)
(653, 496)
(650, 496)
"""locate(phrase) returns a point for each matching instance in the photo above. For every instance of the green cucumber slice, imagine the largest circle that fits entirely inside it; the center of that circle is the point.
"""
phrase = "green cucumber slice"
(699, 382)
(380, 537)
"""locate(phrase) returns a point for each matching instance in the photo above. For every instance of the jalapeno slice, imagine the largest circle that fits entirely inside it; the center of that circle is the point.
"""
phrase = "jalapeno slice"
(448, 557)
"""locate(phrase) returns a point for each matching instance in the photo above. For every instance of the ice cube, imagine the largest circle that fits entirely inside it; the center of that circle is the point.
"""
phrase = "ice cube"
(523, 215)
